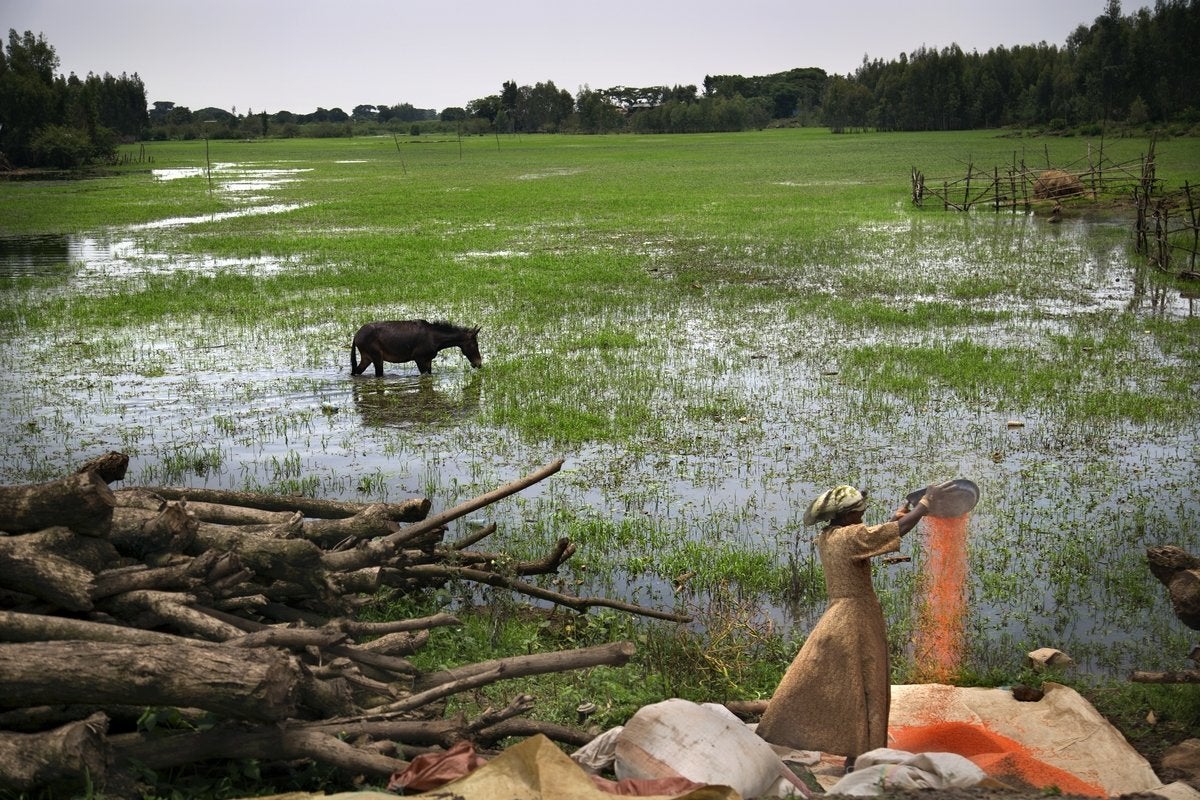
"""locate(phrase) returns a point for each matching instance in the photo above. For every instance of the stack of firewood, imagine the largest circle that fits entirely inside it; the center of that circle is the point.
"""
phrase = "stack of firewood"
(233, 615)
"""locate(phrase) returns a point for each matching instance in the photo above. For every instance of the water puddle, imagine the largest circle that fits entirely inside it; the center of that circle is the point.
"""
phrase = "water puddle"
(88, 260)
(118, 253)
(218, 216)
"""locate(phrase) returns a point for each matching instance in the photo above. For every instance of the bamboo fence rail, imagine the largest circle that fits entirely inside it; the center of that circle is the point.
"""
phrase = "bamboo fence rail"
(1166, 225)
(1018, 185)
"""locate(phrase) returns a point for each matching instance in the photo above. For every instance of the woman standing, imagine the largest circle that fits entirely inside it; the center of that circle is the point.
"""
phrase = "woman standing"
(836, 694)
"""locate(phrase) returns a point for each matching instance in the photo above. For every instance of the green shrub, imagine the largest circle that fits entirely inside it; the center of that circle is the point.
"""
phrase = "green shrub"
(60, 147)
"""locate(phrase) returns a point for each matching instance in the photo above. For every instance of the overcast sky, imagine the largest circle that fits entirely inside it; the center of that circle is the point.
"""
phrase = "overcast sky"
(298, 55)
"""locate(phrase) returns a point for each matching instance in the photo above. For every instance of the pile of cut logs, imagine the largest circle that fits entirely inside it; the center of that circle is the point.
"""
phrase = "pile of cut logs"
(233, 615)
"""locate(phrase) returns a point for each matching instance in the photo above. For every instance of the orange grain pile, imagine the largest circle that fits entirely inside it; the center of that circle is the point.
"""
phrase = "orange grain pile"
(1003, 759)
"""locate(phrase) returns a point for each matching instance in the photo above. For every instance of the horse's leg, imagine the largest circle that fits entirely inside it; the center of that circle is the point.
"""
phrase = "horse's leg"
(378, 358)
(425, 365)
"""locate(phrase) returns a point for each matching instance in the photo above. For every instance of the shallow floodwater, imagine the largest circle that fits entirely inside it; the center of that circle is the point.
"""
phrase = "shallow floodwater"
(1062, 524)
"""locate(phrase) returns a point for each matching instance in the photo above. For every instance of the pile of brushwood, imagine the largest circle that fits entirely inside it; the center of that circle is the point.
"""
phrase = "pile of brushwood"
(234, 615)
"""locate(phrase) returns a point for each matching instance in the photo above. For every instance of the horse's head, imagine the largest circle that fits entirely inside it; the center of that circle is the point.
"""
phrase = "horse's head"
(470, 348)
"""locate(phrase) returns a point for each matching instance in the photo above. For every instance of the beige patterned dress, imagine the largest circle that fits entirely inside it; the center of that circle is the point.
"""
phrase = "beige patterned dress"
(836, 694)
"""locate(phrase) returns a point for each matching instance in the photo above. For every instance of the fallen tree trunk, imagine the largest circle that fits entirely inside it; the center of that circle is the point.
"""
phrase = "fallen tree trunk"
(437, 572)
(31, 565)
(211, 570)
(82, 502)
(153, 535)
(1181, 676)
(17, 627)
(613, 654)
(110, 467)
(63, 755)
(405, 511)
(253, 684)
(270, 744)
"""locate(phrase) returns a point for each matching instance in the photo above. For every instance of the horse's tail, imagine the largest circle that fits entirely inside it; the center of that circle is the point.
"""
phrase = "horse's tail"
(353, 358)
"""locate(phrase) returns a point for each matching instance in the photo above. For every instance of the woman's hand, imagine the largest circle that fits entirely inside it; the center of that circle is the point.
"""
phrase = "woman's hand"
(935, 492)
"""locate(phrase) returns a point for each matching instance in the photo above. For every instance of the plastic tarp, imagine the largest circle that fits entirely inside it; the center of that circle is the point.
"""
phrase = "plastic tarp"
(705, 743)
(536, 769)
(1062, 730)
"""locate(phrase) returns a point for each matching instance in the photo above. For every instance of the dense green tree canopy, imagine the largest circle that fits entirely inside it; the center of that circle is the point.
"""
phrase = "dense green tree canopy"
(49, 120)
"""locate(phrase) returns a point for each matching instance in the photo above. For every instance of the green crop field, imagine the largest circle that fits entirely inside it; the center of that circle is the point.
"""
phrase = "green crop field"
(710, 329)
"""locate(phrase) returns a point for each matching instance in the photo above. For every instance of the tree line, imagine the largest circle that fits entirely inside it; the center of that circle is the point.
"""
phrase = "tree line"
(49, 120)
(1137, 70)
(1134, 70)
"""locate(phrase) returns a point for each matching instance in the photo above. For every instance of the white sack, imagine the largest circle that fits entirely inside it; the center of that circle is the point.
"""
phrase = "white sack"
(881, 769)
(704, 743)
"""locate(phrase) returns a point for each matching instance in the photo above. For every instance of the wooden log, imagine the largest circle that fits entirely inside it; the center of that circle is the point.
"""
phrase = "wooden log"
(331, 640)
(405, 511)
(222, 514)
(374, 520)
(1184, 591)
(1181, 676)
(30, 565)
(18, 627)
(252, 684)
(136, 497)
(613, 654)
(268, 744)
(746, 709)
(357, 629)
(82, 502)
(473, 538)
(378, 551)
(435, 573)
(362, 581)
(397, 644)
(291, 638)
(530, 727)
(111, 466)
(183, 575)
(154, 535)
(1165, 560)
(65, 756)
(152, 609)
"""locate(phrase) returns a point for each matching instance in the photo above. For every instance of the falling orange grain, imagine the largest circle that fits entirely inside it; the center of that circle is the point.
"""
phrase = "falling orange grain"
(940, 629)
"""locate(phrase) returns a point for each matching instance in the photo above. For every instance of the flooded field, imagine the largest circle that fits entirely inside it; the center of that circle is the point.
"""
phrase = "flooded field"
(697, 418)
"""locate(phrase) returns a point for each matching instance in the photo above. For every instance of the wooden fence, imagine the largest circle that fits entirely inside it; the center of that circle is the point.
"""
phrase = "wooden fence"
(1166, 227)
(1167, 231)
(1017, 186)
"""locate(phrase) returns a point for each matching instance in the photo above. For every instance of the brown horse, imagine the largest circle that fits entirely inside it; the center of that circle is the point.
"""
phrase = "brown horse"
(410, 340)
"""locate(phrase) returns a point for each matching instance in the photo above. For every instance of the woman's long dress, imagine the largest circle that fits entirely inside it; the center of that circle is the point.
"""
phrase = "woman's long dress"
(836, 694)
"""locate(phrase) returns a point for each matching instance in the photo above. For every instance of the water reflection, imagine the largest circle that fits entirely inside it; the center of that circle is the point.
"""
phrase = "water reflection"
(414, 400)
(49, 254)
(115, 253)
(88, 261)
(1150, 295)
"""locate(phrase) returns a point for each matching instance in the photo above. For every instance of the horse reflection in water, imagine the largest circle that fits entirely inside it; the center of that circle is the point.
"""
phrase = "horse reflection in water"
(416, 400)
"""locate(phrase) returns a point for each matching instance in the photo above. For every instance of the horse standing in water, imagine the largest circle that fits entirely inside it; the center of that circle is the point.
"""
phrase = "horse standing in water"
(410, 340)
